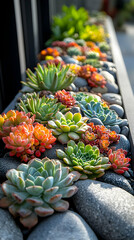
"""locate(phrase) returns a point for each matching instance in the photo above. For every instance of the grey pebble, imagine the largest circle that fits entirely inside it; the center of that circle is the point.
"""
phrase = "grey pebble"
(125, 131)
(112, 98)
(118, 109)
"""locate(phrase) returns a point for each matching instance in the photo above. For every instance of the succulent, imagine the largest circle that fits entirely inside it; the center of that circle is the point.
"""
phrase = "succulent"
(96, 80)
(60, 44)
(84, 97)
(43, 108)
(55, 62)
(100, 136)
(11, 119)
(85, 71)
(74, 51)
(68, 40)
(96, 110)
(119, 162)
(85, 159)
(81, 42)
(104, 46)
(92, 55)
(93, 33)
(49, 78)
(48, 52)
(36, 189)
(65, 98)
(68, 126)
(27, 141)
(93, 62)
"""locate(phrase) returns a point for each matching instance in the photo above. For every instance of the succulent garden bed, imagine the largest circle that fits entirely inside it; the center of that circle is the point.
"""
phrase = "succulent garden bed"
(67, 140)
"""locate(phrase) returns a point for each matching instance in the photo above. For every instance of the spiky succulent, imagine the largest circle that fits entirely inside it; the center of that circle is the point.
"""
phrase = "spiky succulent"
(43, 108)
(51, 78)
(36, 189)
(92, 55)
(74, 51)
(119, 162)
(96, 110)
(11, 119)
(85, 159)
(68, 126)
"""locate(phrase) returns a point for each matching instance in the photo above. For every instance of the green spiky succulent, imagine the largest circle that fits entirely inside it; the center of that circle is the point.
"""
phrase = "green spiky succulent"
(95, 109)
(43, 108)
(73, 51)
(50, 78)
(68, 126)
(84, 159)
(36, 189)
(92, 55)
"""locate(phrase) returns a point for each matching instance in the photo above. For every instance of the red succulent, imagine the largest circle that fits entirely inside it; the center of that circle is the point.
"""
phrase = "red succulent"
(96, 80)
(65, 98)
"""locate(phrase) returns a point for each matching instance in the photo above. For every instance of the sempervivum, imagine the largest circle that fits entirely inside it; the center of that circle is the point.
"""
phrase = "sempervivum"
(85, 159)
(36, 189)
(65, 98)
(119, 162)
(97, 80)
(11, 119)
(68, 126)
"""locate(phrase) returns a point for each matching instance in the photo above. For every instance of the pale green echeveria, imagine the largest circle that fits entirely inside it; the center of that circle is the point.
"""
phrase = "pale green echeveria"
(36, 189)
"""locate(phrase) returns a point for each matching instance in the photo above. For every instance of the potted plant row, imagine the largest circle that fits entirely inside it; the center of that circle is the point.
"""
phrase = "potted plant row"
(66, 133)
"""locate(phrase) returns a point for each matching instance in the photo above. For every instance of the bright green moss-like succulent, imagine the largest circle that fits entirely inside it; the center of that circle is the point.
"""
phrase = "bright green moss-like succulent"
(96, 110)
(84, 159)
(43, 108)
(36, 189)
(68, 126)
(51, 78)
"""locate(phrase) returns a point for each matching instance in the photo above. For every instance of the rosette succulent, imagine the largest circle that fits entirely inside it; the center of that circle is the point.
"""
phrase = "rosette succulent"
(119, 162)
(93, 62)
(104, 46)
(51, 78)
(11, 119)
(65, 98)
(96, 80)
(96, 110)
(93, 55)
(43, 108)
(68, 126)
(48, 52)
(85, 159)
(36, 189)
(74, 51)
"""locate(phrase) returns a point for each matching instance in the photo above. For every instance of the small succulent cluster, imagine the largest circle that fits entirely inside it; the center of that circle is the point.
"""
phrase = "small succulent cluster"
(74, 51)
(118, 160)
(36, 189)
(49, 78)
(48, 53)
(85, 97)
(100, 136)
(43, 108)
(55, 62)
(96, 80)
(97, 110)
(65, 98)
(85, 159)
(27, 141)
(68, 126)
(13, 118)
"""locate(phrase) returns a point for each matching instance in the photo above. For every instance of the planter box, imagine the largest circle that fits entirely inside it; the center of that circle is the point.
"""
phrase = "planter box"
(123, 83)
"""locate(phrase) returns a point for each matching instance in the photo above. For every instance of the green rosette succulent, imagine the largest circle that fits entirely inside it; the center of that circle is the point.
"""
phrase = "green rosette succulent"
(95, 109)
(51, 78)
(43, 108)
(36, 189)
(84, 97)
(85, 159)
(104, 46)
(92, 55)
(68, 126)
(93, 62)
(73, 51)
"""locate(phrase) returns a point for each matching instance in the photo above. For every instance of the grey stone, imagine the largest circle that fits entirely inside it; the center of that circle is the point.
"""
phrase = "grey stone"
(109, 210)
(80, 82)
(100, 90)
(73, 87)
(112, 87)
(109, 77)
(126, 174)
(68, 59)
(75, 110)
(123, 143)
(51, 153)
(117, 180)
(115, 128)
(67, 226)
(118, 109)
(125, 131)
(124, 123)
(7, 163)
(96, 121)
(8, 228)
(109, 64)
(112, 98)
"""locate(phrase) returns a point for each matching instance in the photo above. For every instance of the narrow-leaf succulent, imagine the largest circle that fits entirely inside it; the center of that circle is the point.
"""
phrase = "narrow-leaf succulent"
(85, 159)
(36, 189)
(68, 126)
(51, 78)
